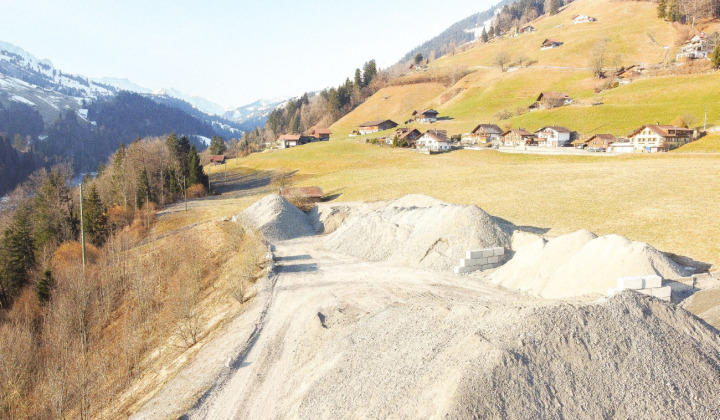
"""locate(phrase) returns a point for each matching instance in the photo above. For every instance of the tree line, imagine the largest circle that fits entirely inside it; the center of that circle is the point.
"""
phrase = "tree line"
(298, 115)
(687, 11)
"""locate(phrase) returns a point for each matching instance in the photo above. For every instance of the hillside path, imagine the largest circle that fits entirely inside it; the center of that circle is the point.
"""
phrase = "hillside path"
(309, 280)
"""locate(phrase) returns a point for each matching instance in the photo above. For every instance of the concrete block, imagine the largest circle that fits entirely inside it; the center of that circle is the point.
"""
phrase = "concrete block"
(466, 263)
(487, 252)
(652, 281)
(498, 251)
(648, 292)
(478, 253)
(630, 283)
(664, 293)
(464, 270)
(493, 260)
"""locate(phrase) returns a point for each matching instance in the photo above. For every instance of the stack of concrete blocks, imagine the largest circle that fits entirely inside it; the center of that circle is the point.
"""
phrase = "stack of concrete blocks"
(481, 259)
(650, 285)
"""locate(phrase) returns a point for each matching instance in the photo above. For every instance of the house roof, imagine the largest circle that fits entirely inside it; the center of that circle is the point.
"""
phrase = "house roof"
(428, 111)
(580, 141)
(556, 128)
(489, 128)
(407, 133)
(519, 131)
(374, 123)
(551, 41)
(320, 131)
(289, 137)
(604, 137)
(217, 158)
(312, 192)
(552, 95)
(665, 130)
(437, 135)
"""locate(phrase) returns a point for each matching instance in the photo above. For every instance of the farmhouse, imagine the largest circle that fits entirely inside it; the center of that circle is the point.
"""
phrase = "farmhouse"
(425, 116)
(321, 134)
(583, 19)
(409, 136)
(519, 137)
(698, 47)
(375, 126)
(289, 140)
(313, 194)
(550, 100)
(483, 134)
(526, 29)
(550, 43)
(433, 140)
(217, 159)
(601, 142)
(656, 138)
(553, 136)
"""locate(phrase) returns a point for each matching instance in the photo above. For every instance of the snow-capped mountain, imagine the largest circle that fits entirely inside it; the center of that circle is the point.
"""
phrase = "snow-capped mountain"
(200, 103)
(256, 113)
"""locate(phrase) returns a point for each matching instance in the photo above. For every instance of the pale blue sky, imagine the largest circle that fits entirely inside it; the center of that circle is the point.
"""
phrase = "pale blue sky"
(230, 52)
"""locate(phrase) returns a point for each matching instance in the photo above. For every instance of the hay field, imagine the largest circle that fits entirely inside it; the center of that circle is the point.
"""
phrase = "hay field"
(667, 200)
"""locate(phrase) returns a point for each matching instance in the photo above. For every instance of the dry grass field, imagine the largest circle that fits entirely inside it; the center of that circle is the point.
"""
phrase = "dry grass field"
(668, 200)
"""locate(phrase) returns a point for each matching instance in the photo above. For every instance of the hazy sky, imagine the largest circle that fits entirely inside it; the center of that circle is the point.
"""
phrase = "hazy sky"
(230, 52)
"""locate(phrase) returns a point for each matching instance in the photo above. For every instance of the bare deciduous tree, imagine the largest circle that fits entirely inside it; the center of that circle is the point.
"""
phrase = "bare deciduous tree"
(502, 59)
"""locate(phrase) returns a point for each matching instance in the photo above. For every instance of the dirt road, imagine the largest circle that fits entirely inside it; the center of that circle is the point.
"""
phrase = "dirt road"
(325, 293)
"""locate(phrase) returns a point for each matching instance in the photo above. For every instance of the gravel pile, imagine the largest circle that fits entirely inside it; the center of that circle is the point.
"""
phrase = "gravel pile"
(418, 231)
(629, 356)
(277, 219)
(581, 263)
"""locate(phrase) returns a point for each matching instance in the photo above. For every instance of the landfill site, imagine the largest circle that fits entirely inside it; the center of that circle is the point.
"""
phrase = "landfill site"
(418, 308)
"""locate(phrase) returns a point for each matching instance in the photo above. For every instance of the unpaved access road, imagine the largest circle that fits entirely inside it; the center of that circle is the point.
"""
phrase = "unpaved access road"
(318, 298)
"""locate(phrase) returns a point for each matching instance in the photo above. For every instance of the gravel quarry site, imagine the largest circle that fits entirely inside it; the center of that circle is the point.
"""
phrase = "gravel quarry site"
(362, 316)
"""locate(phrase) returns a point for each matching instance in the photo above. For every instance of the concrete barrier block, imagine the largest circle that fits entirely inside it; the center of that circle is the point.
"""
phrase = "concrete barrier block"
(487, 252)
(630, 283)
(498, 251)
(493, 260)
(464, 270)
(648, 292)
(478, 253)
(466, 263)
(664, 293)
(652, 281)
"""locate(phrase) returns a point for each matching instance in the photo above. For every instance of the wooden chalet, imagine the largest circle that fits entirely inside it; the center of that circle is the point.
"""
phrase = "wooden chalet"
(657, 138)
(519, 137)
(319, 133)
(526, 29)
(434, 141)
(601, 141)
(217, 159)
(375, 126)
(483, 134)
(550, 43)
(548, 100)
(425, 116)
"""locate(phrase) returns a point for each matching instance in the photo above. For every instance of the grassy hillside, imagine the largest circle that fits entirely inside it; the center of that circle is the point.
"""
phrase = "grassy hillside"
(661, 199)
(631, 31)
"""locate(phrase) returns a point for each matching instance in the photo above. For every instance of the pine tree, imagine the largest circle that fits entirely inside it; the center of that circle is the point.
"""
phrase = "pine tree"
(44, 286)
(217, 146)
(53, 217)
(715, 57)
(196, 174)
(118, 177)
(95, 217)
(484, 35)
(369, 72)
(673, 12)
(20, 248)
(143, 189)
(358, 79)
(662, 9)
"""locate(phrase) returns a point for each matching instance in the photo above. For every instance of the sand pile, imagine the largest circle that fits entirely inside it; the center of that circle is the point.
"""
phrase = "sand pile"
(418, 231)
(581, 263)
(277, 218)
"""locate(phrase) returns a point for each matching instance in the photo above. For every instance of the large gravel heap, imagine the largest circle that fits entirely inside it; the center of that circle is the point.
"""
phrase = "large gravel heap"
(631, 356)
(581, 263)
(277, 218)
(418, 231)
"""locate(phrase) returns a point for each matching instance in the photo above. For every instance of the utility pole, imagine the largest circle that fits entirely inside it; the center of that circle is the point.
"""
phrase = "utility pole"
(185, 192)
(82, 227)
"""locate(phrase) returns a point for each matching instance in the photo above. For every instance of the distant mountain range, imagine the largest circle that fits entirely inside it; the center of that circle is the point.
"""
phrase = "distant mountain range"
(27, 79)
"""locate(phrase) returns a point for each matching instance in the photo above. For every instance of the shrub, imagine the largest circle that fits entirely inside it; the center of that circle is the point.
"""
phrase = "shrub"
(196, 191)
